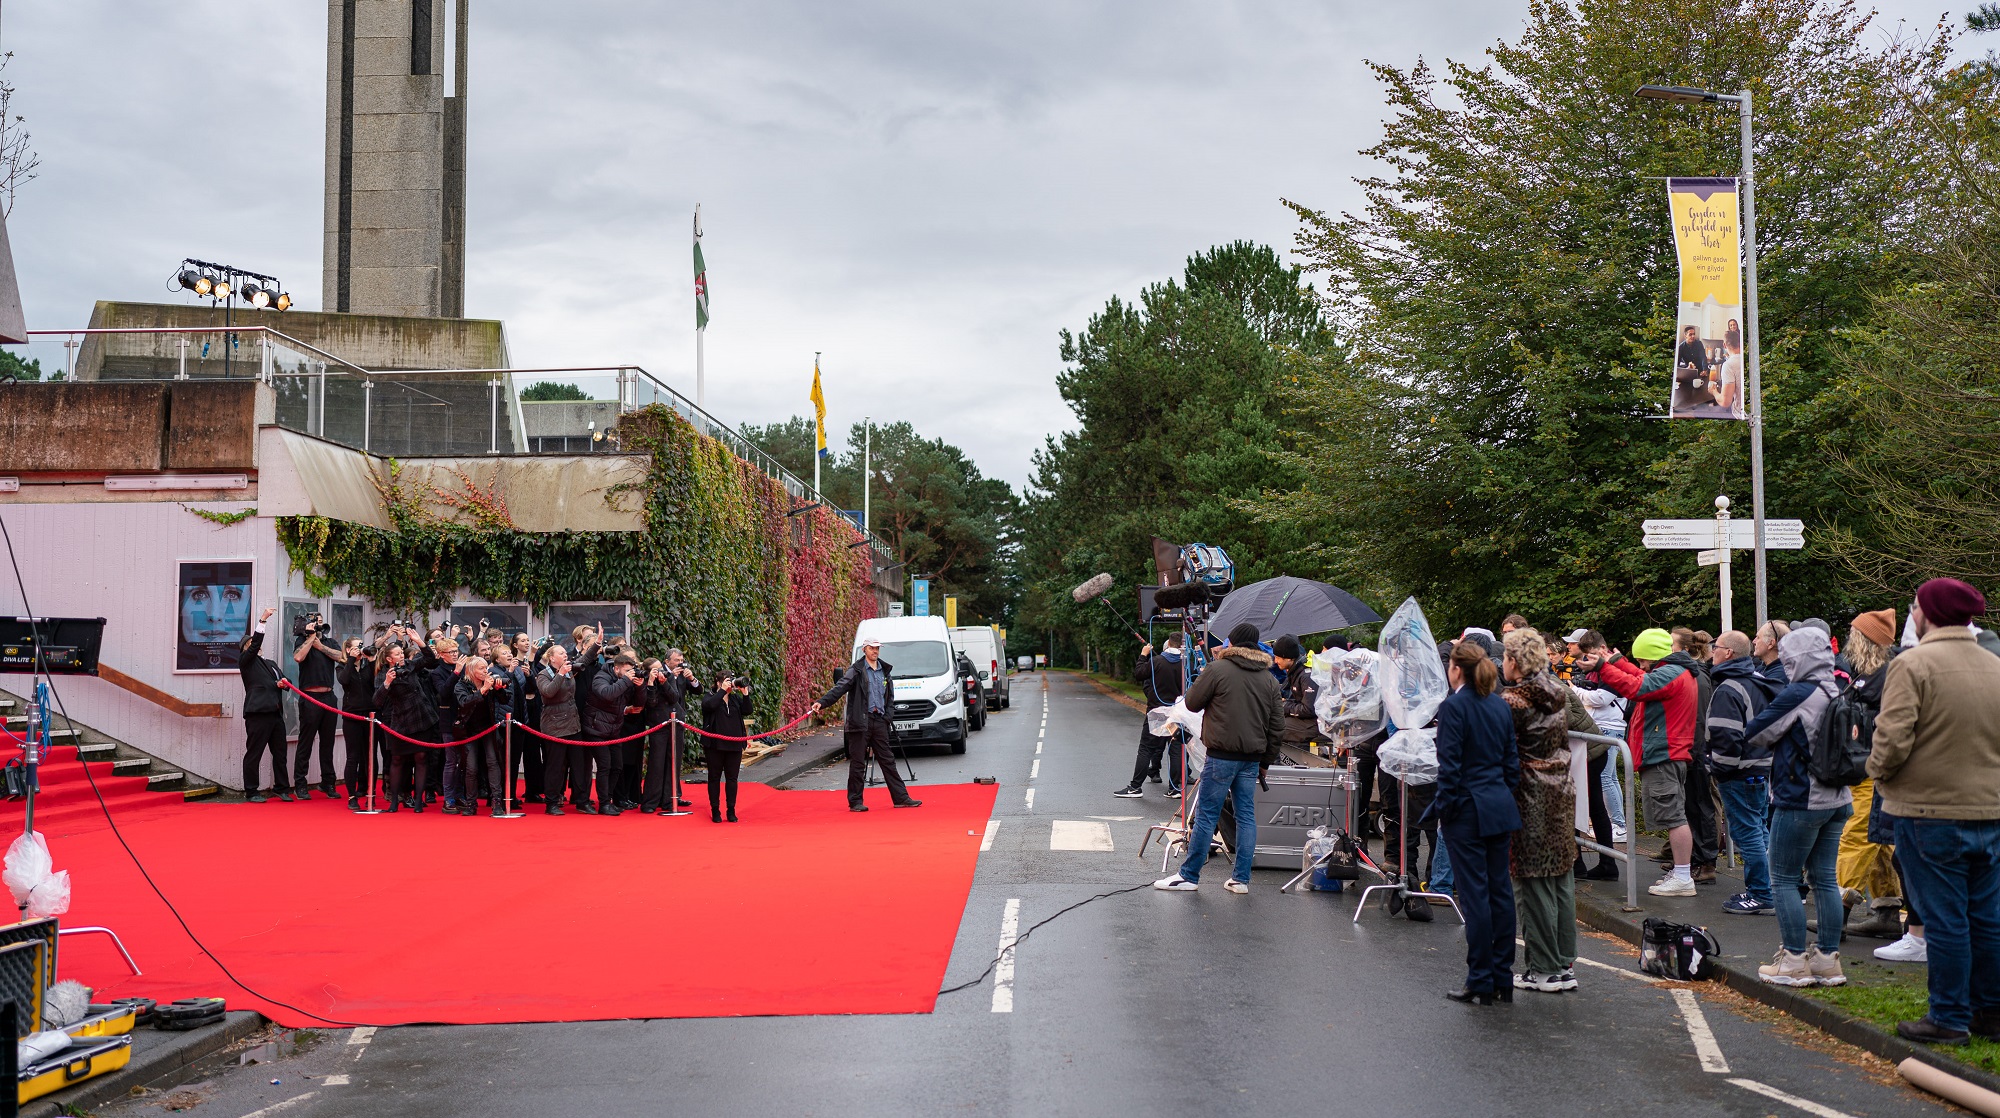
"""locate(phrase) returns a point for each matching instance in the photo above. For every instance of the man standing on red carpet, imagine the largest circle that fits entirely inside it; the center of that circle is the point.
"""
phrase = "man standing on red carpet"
(870, 695)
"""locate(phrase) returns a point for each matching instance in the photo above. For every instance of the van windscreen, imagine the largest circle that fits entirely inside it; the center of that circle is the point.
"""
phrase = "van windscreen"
(917, 659)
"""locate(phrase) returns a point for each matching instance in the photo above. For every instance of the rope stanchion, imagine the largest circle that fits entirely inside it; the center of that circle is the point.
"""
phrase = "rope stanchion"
(505, 808)
(672, 806)
(371, 809)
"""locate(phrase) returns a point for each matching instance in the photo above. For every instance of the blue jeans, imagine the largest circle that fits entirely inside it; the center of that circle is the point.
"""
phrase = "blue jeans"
(1219, 779)
(1952, 868)
(1744, 804)
(1441, 869)
(1807, 843)
(1614, 794)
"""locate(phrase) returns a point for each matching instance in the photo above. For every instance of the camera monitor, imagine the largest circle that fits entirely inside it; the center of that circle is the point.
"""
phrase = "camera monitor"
(67, 645)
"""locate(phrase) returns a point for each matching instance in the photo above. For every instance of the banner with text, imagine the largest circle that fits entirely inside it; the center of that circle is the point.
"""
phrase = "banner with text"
(1708, 335)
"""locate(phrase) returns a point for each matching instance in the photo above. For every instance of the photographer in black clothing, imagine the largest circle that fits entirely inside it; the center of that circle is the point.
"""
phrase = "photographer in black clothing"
(405, 703)
(1159, 680)
(440, 664)
(317, 666)
(263, 715)
(603, 720)
(482, 697)
(356, 675)
(870, 689)
(557, 686)
(722, 712)
(669, 682)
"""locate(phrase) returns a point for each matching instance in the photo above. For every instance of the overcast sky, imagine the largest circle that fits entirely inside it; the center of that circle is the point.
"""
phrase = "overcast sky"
(927, 193)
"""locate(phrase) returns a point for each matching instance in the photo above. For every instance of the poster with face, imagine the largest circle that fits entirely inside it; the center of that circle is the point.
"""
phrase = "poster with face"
(214, 615)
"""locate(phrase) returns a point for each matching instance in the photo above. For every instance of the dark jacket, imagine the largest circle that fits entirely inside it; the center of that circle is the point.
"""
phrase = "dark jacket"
(1243, 715)
(260, 680)
(604, 709)
(723, 712)
(559, 714)
(1741, 691)
(1301, 723)
(357, 686)
(1478, 765)
(1704, 687)
(1790, 721)
(667, 698)
(441, 680)
(1159, 680)
(854, 687)
(478, 710)
(405, 705)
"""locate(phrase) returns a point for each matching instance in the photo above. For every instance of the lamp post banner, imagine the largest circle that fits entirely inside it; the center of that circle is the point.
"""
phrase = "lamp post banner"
(1708, 333)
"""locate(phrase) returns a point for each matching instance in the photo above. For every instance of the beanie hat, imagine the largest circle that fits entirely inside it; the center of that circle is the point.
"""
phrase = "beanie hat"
(1947, 601)
(1243, 636)
(1815, 623)
(1878, 626)
(1653, 644)
(1288, 646)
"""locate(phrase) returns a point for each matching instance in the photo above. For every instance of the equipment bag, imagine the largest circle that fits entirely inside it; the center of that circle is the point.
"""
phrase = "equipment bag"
(1682, 952)
(1846, 733)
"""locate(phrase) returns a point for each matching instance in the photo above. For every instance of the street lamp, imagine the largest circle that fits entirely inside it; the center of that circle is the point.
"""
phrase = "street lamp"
(1684, 95)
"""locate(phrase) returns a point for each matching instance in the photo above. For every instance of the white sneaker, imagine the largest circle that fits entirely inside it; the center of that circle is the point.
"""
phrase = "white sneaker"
(1235, 886)
(1909, 949)
(1670, 886)
(1175, 883)
(1787, 968)
(1617, 834)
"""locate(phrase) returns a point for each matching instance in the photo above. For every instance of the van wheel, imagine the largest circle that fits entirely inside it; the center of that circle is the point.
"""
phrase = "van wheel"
(959, 745)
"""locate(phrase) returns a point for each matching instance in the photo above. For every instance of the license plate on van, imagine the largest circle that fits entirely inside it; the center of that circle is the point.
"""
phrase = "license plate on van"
(907, 727)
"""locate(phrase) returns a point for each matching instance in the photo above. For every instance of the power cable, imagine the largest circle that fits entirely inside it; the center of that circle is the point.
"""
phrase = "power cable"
(1023, 937)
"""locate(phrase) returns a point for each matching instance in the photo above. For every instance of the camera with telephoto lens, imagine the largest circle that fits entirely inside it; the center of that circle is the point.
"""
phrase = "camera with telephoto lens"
(310, 624)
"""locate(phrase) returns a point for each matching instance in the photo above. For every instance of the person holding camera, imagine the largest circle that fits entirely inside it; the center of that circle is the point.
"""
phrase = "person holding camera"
(482, 697)
(405, 704)
(669, 682)
(527, 747)
(357, 698)
(263, 715)
(611, 692)
(723, 711)
(557, 686)
(317, 666)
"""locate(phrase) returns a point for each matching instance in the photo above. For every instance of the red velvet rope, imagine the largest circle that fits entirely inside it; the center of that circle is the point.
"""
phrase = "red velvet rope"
(525, 728)
(384, 726)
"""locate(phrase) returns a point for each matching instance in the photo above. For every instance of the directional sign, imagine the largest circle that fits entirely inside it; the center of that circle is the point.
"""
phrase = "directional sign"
(1712, 557)
(1699, 535)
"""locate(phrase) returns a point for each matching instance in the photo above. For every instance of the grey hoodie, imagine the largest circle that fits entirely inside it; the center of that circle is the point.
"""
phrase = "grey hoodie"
(1787, 724)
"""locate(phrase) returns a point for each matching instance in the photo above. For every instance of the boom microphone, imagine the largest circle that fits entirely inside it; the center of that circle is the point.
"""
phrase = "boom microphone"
(1097, 587)
(1181, 595)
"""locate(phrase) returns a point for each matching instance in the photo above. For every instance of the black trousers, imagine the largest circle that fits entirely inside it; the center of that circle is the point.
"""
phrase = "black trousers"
(555, 770)
(629, 761)
(1485, 893)
(262, 732)
(723, 765)
(872, 739)
(527, 764)
(1152, 748)
(315, 723)
(662, 762)
(354, 735)
(482, 769)
(410, 772)
(1366, 765)
(1701, 812)
(582, 759)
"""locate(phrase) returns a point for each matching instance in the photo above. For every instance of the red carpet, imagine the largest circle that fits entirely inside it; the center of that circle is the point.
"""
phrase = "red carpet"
(802, 908)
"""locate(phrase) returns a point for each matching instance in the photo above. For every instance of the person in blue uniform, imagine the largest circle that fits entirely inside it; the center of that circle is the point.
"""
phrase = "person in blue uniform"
(1478, 768)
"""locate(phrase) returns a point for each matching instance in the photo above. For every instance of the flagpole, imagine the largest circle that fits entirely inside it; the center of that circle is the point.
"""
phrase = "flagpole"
(867, 467)
(700, 374)
(700, 316)
(816, 426)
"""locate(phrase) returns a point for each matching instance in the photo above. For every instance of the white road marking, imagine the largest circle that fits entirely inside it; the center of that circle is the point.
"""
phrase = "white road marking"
(1699, 1032)
(1119, 818)
(1035, 770)
(1079, 834)
(1807, 1105)
(1038, 749)
(1003, 971)
(1031, 799)
(986, 840)
(362, 1035)
(277, 1107)
(1621, 971)
(334, 1081)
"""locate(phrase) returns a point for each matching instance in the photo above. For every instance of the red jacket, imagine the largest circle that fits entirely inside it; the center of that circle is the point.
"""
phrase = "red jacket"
(1661, 725)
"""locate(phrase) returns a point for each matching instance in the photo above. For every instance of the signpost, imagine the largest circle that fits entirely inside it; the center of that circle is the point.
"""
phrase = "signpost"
(1713, 540)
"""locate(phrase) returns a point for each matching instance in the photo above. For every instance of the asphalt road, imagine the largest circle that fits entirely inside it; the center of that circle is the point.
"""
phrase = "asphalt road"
(1142, 1003)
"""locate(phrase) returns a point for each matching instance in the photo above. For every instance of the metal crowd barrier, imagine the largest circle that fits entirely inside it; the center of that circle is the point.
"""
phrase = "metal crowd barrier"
(1628, 857)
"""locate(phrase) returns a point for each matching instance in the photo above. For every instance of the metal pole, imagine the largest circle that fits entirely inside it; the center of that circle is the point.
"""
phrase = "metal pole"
(504, 809)
(183, 374)
(372, 808)
(1750, 353)
(367, 411)
(1722, 543)
(867, 468)
(673, 804)
(700, 373)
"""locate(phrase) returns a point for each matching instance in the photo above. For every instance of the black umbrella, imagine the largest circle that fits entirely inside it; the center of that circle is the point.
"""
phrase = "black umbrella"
(1290, 605)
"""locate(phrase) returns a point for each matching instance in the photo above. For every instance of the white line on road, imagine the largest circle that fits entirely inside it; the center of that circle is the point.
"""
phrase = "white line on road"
(1698, 1031)
(1003, 970)
(278, 1107)
(334, 1081)
(1078, 834)
(1035, 770)
(1038, 749)
(1031, 799)
(362, 1035)
(1807, 1105)
(986, 840)
(1620, 971)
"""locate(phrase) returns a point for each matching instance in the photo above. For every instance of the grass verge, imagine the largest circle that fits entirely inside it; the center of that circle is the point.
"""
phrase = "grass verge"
(1883, 995)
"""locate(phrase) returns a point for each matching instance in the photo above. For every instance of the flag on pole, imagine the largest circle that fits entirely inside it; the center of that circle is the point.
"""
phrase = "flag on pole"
(700, 277)
(819, 408)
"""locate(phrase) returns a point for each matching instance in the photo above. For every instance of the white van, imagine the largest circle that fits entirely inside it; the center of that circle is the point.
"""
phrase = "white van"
(982, 645)
(929, 703)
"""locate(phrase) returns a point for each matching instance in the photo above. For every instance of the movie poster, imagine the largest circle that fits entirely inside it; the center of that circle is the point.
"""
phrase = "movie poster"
(214, 615)
(1708, 334)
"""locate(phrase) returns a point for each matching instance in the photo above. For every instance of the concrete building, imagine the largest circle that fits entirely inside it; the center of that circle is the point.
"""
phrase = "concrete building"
(395, 157)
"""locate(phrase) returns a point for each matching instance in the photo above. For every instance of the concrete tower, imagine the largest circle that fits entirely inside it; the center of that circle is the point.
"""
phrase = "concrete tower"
(395, 157)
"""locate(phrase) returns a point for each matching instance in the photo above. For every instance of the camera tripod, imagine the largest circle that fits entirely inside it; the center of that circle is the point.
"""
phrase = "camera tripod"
(1402, 886)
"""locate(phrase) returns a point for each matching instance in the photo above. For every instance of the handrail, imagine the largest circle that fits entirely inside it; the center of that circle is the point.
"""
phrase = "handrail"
(154, 695)
(1630, 855)
(288, 339)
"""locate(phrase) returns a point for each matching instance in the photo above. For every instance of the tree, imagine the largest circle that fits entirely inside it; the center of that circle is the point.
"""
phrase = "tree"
(18, 161)
(12, 366)
(1492, 444)
(543, 391)
(1178, 422)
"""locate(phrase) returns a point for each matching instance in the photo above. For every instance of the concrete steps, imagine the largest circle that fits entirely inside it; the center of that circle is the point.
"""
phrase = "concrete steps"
(125, 759)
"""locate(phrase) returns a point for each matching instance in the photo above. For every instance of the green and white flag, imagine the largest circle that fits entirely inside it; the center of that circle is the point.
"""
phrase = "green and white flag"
(700, 277)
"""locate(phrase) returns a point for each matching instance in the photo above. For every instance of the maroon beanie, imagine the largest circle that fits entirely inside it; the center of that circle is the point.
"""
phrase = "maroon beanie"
(1947, 601)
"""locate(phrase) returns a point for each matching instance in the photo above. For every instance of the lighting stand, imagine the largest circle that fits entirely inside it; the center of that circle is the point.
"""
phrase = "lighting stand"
(1402, 885)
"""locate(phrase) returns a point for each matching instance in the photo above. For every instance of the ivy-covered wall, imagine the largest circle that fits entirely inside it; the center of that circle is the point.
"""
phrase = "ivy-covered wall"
(719, 571)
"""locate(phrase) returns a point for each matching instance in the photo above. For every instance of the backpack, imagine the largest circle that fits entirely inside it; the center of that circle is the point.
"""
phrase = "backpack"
(1681, 952)
(1846, 732)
